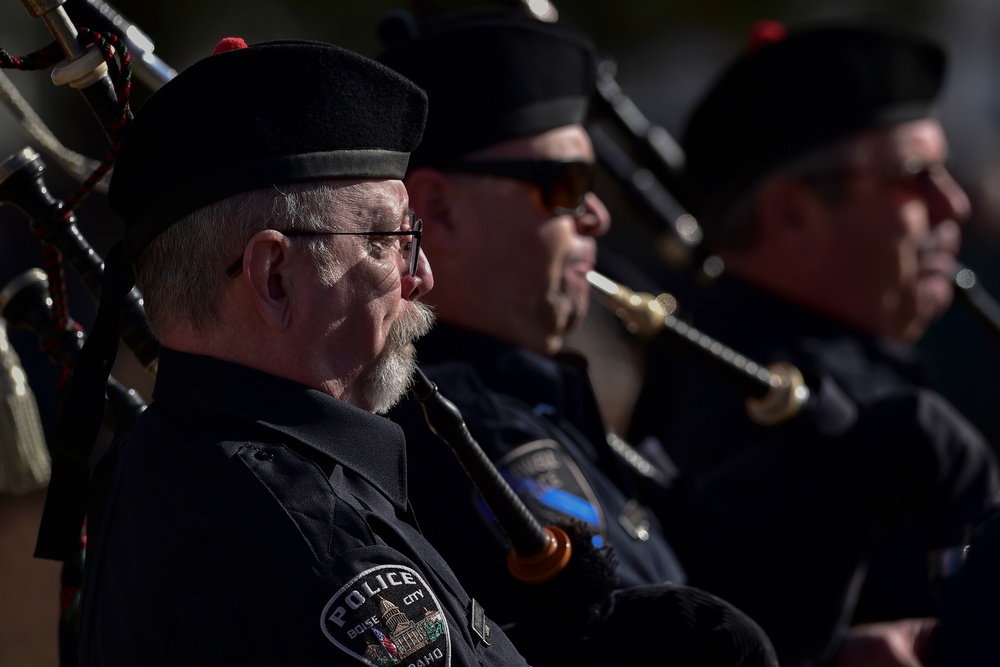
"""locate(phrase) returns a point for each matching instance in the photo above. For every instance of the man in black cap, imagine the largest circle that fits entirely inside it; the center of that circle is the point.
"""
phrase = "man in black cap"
(818, 174)
(258, 511)
(502, 179)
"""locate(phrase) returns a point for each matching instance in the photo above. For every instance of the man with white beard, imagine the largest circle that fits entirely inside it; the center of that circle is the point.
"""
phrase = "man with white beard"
(257, 513)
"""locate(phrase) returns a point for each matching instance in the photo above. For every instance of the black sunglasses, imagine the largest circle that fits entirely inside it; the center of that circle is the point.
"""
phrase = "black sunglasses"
(410, 250)
(564, 184)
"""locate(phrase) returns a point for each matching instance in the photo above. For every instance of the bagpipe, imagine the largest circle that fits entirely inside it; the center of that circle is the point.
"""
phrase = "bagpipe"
(93, 55)
(98, 63)
(25, 303)
(774, 393)
(77, 59)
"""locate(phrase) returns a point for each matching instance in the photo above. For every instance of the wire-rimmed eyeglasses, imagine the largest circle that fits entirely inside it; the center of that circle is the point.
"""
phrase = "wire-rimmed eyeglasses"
(409, 249)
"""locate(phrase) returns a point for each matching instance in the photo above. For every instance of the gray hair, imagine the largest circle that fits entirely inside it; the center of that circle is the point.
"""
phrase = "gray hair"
(733, 224)
(182, 272)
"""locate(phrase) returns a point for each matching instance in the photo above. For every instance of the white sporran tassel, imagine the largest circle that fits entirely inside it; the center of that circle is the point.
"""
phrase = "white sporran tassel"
(24, 457)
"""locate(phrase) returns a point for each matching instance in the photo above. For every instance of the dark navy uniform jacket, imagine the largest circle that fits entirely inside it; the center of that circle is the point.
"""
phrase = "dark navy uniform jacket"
(537, 418)
(254, 521)
(783, 521)
(967, 634)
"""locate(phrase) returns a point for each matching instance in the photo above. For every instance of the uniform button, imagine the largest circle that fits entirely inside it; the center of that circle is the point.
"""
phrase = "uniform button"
(261, 455)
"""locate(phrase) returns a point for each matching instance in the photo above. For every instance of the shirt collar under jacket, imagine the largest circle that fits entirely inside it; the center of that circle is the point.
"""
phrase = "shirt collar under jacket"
(368, 444)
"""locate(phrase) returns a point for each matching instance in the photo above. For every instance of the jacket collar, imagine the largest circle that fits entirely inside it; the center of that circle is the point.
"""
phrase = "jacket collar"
(371, 446)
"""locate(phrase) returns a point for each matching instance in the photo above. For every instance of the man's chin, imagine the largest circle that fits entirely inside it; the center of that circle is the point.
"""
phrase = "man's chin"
(390, 379)
(568, 319)
(932, 299)
(934, 296)
(573, 301)
(390, 375)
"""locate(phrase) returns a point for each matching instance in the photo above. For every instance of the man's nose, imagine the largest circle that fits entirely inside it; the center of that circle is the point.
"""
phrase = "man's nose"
(595, 220)
(415, 286)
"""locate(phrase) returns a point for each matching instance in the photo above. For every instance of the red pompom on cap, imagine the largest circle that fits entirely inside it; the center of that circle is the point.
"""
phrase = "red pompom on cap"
(765, 32)
(229, 44)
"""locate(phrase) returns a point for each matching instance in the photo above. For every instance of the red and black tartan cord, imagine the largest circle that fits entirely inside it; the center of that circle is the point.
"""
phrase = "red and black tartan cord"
(116, 57)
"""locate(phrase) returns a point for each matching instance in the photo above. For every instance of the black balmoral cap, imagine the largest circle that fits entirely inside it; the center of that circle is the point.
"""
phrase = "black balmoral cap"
(788, 94)
(271, 113)
(490, 75)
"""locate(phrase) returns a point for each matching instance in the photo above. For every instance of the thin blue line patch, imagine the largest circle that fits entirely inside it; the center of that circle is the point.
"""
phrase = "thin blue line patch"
(550, 483)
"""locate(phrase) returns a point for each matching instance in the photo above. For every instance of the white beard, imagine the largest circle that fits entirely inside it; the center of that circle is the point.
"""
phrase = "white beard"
(393, 370)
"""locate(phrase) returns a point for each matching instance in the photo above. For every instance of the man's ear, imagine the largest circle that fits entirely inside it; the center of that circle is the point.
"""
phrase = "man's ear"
(432, 198)
(790, 213)
(266, 262)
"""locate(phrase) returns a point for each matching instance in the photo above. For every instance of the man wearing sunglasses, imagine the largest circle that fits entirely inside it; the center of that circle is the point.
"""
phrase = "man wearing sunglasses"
(818, 173)
(502, 180)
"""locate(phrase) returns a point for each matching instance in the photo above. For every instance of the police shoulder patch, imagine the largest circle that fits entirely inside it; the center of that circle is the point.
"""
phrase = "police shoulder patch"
(388, 615)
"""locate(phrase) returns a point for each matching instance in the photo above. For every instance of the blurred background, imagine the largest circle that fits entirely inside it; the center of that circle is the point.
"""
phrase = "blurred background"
(666, 54)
